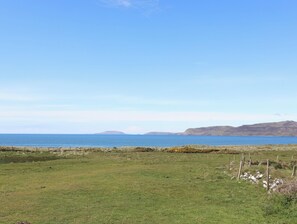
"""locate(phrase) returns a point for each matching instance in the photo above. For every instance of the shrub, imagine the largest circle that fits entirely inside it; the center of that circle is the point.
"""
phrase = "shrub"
(288, 190)
(283, 201)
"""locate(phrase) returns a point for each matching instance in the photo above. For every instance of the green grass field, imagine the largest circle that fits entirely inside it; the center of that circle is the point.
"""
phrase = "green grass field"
(133, 187)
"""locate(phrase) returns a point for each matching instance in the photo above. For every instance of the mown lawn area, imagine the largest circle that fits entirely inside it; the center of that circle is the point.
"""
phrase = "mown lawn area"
(130, 187)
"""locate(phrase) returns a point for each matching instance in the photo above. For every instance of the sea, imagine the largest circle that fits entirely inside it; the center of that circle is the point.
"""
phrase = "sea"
(95, 140)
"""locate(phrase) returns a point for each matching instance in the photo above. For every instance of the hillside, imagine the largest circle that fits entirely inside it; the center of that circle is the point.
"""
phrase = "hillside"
(283, 128)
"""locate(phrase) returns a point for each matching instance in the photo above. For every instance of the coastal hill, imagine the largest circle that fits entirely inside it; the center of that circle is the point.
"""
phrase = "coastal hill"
(283, 128)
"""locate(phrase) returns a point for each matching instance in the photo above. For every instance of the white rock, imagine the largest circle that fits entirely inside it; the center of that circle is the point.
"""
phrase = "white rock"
(253, 179)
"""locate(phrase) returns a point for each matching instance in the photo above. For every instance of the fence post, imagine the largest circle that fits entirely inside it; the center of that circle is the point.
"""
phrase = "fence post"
(243, 158)
(267, 172)
(239, 171)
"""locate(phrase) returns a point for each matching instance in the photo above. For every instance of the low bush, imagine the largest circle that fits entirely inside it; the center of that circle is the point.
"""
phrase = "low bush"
(188, 149)
(288, 190)
(283, 201)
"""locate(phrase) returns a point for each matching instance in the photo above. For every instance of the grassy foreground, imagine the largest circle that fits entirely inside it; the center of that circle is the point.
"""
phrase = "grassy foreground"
(131, 187)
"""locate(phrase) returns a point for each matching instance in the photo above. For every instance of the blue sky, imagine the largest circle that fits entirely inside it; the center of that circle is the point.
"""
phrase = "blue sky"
(85, 66)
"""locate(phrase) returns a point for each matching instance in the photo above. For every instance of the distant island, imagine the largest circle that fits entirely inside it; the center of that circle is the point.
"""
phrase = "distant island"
(160, 133)
(111, 133)
(283, 128)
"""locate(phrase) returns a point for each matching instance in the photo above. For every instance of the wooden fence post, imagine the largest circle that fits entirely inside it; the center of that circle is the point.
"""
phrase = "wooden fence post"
(267, 172)
(239, 171)
(243, 158)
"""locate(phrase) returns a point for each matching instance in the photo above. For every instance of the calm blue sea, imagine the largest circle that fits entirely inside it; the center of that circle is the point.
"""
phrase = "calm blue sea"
(92, 140)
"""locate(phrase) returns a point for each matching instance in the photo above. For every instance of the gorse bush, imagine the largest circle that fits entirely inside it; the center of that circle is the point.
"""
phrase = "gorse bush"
(189, 149)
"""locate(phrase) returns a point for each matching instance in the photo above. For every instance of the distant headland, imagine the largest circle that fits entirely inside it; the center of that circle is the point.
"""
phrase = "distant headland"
(282, 128)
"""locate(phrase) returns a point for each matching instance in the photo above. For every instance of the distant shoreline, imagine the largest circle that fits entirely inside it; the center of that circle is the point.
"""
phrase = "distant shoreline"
(77, 152)
(237, 147)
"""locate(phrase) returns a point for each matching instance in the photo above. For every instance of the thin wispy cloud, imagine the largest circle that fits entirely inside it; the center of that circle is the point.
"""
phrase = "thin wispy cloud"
(147, 116)
(138, 100)
(88, 121)
(16, 97)
(237, 79)
(118, 3)
(147, 6)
